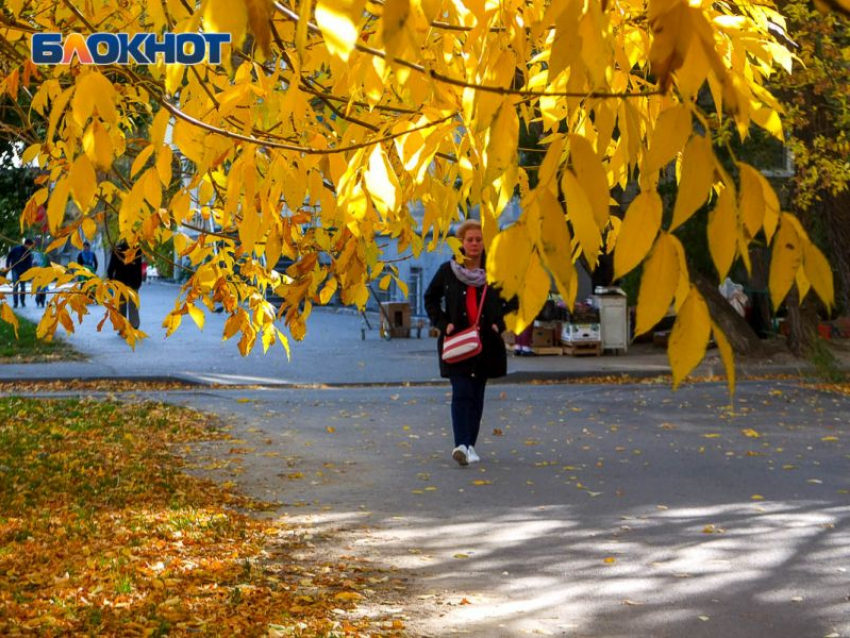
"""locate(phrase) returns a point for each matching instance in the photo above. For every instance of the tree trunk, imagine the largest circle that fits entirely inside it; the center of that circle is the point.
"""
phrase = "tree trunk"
(741, 336)
(836, 213)
(802, 323)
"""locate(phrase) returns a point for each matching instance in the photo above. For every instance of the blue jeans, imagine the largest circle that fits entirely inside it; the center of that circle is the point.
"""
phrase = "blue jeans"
(467, 407)
(19, 290)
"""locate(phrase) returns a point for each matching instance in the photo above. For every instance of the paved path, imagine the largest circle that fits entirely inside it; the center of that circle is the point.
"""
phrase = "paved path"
(598, 511)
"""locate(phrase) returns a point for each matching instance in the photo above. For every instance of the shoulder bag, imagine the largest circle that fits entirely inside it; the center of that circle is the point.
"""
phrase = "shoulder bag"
(466, 343)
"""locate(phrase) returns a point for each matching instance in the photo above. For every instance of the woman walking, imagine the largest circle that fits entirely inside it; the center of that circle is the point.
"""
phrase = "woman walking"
(453, 300)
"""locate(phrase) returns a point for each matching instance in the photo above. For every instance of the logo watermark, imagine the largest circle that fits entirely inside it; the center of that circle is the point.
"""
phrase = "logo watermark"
(123, 48)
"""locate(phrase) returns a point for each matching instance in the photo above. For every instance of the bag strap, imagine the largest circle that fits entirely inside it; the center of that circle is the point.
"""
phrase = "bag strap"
(481, 305)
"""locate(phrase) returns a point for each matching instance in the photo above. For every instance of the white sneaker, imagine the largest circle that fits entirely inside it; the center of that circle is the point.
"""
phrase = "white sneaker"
(460, 455)
(472, 455)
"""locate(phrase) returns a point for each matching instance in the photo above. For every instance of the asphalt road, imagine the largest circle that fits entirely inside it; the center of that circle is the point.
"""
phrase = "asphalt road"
(597, 511)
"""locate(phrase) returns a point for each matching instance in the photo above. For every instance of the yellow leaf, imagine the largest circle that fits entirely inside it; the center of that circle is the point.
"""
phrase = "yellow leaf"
(658, 284)
(672, 30)
(338, 21)
(89, 227)
(697, 178)
(93, 91)
(502, 138)
(259, 16)
(508, 259)
(819, 273)
(328, 291)
(83, 182)
(9, 317)
(555, 241)
(301, 30)
(711, 436)
(382, 183)
(592, 176)
(829, 439)
(197, 315)
(723, 233)
(141, 160)
(227, 16)
(163, 166)
(610, 560)
(98, 145)
(580, 214)
(481, 482)
(56, 204)
(689, 337)
(535, 292)
(727, 355)
(159, 127)
(750, 433)
(638, 231)
(757, 497)
(785, 260)
(751, 199)
(348, 596)
(669, 137)
(771, 207)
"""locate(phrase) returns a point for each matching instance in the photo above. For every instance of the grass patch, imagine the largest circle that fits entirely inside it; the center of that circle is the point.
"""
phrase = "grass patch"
(28, 348)
(104, 534)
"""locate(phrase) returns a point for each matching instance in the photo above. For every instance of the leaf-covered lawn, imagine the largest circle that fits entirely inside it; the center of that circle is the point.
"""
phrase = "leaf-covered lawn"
(101, 533)
(27, 347)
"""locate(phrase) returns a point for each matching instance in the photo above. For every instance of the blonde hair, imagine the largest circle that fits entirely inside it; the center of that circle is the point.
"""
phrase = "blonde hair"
(466, 226)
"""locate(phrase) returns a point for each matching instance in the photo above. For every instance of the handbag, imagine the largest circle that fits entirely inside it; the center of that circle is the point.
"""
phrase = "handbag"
(466, 343)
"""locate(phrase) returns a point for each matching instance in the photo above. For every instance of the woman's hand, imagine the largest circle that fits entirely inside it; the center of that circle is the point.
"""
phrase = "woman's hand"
(495, 328)
(450, 328)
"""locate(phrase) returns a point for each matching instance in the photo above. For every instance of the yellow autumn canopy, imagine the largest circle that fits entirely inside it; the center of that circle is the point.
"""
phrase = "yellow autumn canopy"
(327, 121)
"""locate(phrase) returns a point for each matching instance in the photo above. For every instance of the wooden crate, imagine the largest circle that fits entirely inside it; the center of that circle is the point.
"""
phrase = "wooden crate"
(583, 349)
(542, 351)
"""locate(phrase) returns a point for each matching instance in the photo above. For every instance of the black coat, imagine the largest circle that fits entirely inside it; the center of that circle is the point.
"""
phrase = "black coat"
(445, 303)
(128, 274)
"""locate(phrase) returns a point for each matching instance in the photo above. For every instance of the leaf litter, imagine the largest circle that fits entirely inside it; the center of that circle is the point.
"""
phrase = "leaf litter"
(103, 533)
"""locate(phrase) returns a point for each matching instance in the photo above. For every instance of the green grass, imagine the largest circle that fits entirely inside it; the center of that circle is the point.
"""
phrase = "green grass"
(28, 348)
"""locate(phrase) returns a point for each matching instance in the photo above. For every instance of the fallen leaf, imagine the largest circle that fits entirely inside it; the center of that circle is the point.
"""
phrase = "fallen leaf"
(757, 497)
(830, 439)
(750, 433)
(461, 556)
(610, 560)
(481, 482)
(330, 429)
(711, 436)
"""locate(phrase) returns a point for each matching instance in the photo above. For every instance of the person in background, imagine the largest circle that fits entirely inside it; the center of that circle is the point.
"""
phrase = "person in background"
(128, 273)
(452, 301)
(522, 346)
(87, 257)
(18, 261)
(40, 260)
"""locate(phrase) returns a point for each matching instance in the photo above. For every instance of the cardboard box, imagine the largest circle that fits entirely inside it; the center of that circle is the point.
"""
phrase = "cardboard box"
(542, 338)
(580, 333)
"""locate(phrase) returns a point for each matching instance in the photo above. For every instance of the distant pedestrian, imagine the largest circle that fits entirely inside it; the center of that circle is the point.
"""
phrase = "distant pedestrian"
(40, 260)
(18, 261)
(452, 302)
(129, 274)
(87, 258)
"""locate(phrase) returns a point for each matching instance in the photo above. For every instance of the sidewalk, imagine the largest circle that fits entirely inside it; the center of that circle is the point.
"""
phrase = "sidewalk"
(333, 353)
